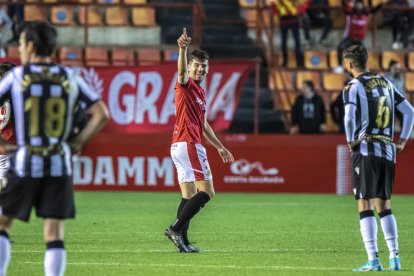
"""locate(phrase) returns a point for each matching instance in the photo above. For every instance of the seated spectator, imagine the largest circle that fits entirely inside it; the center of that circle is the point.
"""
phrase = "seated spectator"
(357, 16)
(308, 112)
(319, 15)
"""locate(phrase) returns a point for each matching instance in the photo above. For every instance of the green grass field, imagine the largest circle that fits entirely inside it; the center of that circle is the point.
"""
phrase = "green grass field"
(240, 234)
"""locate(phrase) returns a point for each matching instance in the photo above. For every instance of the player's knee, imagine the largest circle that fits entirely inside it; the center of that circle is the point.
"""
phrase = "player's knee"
(210, 193)
(53, 230)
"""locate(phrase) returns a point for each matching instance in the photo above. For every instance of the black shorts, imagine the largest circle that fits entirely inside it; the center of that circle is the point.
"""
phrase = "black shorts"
(372, 177)
(51, 196)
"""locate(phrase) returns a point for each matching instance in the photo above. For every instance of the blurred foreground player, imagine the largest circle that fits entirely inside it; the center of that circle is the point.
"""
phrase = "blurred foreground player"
(187, 152)
(43, 97)
(370, 104)
(6, 127)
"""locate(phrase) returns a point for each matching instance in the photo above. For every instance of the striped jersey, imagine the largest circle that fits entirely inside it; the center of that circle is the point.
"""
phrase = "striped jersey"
(375, 99)
(43, 97)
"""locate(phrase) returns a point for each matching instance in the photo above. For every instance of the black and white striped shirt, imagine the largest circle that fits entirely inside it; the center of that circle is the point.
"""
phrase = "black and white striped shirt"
(370, 102)
(43, 98)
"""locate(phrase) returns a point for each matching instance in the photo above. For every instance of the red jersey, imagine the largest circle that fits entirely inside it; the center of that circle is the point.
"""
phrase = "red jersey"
(6, 123)
(190, 109)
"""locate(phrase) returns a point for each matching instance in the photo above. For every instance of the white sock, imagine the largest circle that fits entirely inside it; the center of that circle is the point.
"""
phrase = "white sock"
(389, 228)
(369, 230)
(55, 262)
(4, 255)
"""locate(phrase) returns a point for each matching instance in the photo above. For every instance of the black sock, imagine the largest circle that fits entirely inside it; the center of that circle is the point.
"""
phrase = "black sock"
(55, 244)
(4, 234)
(187, 225)
(190, 209)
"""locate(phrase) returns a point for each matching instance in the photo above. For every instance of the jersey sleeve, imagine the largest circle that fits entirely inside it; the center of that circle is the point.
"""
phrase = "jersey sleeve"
(398, 96)
(86, 94)
(5, 87)
(350, 93)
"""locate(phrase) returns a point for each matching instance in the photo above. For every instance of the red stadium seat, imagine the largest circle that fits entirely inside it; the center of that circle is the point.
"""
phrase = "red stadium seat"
(116, 16)
(93, 13)
(96, 56)
(35, 13)
(123, 57)
(72, 56)
(387, 56)
(143, 17)
(62, 15)
(315, 59)
(333, 81)
(148, 56)
(308, 75)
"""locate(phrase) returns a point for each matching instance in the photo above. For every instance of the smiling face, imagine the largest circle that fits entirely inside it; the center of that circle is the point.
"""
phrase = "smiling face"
(198, 69)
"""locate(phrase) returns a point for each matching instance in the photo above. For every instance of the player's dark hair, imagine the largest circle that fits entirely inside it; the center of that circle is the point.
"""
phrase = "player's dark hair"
(42, 34)
(199, 55)
(358, 54)
(392, 63)
(5, 67)
(309, 84)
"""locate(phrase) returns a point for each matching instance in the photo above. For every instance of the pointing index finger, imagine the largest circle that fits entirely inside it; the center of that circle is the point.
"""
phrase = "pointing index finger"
(185, 32)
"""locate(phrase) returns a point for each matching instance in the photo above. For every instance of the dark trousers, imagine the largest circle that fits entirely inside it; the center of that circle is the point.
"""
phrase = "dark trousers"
(284, 29)
(321, 18)
(345, 43)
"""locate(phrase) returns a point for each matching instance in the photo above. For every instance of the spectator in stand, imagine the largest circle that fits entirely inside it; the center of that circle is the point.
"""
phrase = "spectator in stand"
(395, 76)
(318, 14)
(288, 12)
(5, 28)
(399, 21)
(15, 10)
(357, 16)
(308, 112)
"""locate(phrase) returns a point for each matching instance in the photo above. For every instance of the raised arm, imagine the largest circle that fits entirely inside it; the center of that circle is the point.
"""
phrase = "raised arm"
(183, 42)
(208, 133)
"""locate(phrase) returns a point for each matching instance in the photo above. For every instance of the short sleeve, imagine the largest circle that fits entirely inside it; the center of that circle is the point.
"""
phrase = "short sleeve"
(350, 94)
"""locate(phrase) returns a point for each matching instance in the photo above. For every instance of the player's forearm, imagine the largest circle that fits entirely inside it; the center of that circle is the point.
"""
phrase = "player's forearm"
(211, 137)
(182, 65)
(408, 119)
(100, 116)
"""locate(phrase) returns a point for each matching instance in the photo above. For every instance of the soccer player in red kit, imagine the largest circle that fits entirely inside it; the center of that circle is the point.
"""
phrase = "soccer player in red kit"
(6, 128)
(187, 152)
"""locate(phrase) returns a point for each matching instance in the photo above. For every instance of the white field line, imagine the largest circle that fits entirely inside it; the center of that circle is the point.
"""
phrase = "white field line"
(207, 250)
(204, 266)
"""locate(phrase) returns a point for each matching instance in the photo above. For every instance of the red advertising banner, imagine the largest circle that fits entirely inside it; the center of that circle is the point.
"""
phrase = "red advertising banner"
(141, 99)
(263, 163)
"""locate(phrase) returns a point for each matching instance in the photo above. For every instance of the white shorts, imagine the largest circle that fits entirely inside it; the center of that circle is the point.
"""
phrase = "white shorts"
(191, 162)
(4, 166)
